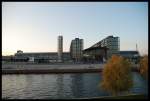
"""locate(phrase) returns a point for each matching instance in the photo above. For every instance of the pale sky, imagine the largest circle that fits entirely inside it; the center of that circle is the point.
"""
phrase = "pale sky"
(35, 26)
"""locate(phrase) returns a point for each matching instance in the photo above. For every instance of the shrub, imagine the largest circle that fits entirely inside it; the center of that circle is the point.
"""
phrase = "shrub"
(117, 75)
(144, 66)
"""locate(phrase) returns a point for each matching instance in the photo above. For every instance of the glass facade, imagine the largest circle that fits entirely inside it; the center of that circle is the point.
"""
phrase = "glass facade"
(76, 49)
(112, 43)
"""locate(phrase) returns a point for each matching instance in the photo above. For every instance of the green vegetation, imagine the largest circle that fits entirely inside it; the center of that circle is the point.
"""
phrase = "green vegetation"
(117, 75)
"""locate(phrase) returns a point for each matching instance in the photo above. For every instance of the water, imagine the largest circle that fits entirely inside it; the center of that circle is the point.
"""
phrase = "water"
(59, 86)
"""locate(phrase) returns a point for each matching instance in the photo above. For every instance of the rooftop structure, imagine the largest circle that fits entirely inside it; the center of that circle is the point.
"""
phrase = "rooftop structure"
(112, 43)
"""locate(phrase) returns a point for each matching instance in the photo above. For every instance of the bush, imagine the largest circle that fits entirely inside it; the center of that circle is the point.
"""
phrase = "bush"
(117, 75)
(144, 66)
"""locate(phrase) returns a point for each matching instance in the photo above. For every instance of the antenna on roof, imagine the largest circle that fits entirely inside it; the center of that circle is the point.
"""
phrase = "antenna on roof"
(136, 47)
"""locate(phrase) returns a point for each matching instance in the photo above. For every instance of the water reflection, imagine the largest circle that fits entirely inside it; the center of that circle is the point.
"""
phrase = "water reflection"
(59, 85)
(138, 83)
(77, 85)
(51, 86)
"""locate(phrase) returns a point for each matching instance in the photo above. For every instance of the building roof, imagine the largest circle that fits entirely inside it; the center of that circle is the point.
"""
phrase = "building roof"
(91, 48)
(43, 53)
(129, 52)
(98, 44)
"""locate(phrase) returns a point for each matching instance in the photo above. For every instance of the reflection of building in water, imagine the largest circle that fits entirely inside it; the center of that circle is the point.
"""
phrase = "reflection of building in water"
(59, 86)
(64, 86)
(30, 79)
(77, 85)
(92, 84)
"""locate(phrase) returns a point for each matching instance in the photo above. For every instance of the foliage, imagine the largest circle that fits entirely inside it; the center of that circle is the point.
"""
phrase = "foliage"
(144, 66)
(117, 75)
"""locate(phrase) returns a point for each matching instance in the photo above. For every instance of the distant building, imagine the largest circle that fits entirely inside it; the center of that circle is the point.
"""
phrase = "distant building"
(31, 59)
(76, 48)
(42, 56)
(60, 48)
(13, 58)
(6, 58)
(19, 51)
(132, 56)
(112, 43)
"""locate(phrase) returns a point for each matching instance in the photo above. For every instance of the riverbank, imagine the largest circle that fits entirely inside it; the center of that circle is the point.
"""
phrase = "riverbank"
(47, 71)
(50, 71)
(131, 96)
(51, 68)
(17, 68)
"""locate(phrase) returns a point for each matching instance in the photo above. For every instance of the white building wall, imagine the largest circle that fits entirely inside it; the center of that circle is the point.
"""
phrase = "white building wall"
(60, 48)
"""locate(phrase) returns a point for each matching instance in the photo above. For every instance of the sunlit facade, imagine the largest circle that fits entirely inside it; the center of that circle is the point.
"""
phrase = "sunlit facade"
(76, 48)
(60, 48)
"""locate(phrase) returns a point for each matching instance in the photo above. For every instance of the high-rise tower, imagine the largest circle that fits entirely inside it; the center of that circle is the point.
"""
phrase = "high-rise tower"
(60, 48)
(76, 48)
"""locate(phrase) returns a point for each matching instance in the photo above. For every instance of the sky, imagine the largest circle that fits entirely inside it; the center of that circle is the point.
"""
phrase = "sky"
(35, 26)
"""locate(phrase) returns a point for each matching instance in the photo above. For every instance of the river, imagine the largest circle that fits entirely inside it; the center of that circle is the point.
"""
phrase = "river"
(61, 86)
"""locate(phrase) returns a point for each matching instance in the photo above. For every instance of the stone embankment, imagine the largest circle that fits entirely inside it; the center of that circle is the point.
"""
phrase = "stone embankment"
(16, 68)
